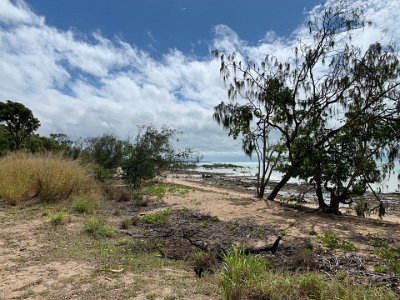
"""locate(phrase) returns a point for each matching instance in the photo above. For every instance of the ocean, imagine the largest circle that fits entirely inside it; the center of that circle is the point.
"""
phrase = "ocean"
(249, 169)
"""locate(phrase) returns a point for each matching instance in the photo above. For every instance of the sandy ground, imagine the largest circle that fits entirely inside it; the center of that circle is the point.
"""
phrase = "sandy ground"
(27, 273)
(230, 204)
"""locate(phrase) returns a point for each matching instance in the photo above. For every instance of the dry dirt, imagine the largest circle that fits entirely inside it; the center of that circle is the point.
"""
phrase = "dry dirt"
(41, 261)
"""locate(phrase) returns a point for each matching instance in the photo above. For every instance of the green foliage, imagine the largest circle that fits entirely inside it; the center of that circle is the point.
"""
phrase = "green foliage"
(18, 121)
(160, 217)
(237, 269)
(151, 154)
(159, 190)
(100, 172)
(106, 151)
(82, 205)
(390, 254)
(57, 218)
(330, 240)
(300, 101)
(98, 228)
(215, 219)
(361, 208)
(251, 277)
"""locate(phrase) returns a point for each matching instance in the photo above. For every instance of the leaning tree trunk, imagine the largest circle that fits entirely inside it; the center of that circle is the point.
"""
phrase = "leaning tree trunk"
(321, 202)
(278, 187)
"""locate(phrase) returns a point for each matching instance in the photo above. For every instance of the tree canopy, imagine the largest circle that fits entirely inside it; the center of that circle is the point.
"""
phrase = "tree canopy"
(152, 153)
(333, 106)
(18, 122)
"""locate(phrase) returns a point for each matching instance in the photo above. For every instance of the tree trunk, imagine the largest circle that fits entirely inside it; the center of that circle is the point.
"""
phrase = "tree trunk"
(334, 205)
(321, 202)
(278, 187)
(261, 190)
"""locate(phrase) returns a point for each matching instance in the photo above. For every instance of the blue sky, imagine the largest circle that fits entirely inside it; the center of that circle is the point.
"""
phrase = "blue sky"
(91, 67)
(188, 25)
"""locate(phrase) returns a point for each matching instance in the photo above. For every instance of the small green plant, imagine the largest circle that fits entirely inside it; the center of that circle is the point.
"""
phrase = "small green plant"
(330, 240)
(390, 254)
(100, 173)
(232, 227)
(204, 223)
(98, 228)
(156, 190)
(138, 199)
(57, 218)
(160, 217)
(381, 269)
(283, 232)
(159, 190)
(82, 205)
(238, 268)
(362, 208)
(215, 219)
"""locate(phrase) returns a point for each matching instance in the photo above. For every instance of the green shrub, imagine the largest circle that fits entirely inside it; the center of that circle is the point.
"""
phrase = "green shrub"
(98, 228)
(82, 205)
(215, 219)
(100, 173)
(57, 218)
(362, 208)
(237, 270)
(50, 177)
(160, 217)
(330, 240)
(156, 190)
(390, 254)
(250, 277)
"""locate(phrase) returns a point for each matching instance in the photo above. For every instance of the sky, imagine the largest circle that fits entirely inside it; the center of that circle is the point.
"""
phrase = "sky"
(97, 66)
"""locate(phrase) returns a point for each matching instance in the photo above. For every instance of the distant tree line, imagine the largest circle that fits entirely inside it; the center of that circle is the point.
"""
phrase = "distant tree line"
(147, 156)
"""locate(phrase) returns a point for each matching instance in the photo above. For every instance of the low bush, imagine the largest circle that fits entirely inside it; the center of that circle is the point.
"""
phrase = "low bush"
(160, 217)
(49, 177)
(84, 205)
(56, 218)
(249, 277)
(98, 228)
(330, 240)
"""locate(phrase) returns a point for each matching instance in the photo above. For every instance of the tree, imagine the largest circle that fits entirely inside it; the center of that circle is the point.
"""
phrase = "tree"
(316, 102)
(152, 153)
(18, 121)
(238, 120)
(105, 150)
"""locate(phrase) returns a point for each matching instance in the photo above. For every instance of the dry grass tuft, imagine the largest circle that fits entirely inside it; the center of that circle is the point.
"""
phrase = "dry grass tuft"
(46, 176)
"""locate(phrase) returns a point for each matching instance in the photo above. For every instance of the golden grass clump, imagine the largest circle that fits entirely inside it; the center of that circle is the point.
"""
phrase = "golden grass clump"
(49, 177)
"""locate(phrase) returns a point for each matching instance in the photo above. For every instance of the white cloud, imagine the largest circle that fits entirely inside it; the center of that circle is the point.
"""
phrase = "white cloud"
(86, 86)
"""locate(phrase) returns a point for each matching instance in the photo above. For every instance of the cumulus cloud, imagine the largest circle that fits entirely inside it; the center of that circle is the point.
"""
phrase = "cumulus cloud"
(89, 85)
